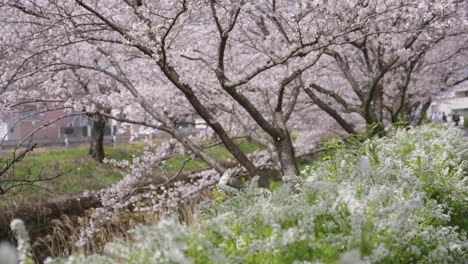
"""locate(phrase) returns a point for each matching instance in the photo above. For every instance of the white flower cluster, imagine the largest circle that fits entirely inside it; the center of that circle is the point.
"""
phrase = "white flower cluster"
(394, 200)
(24, 245)
(140, 190)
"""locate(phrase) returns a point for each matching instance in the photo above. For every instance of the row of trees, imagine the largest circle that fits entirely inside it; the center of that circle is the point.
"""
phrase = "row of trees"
(249, 68)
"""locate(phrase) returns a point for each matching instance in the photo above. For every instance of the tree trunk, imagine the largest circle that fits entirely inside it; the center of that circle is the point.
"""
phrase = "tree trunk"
(422, 113)
(375, 127)
(96, 147)
(204, 113)
(285, 149)
(219, 130)
(376, 114)
(287, 159)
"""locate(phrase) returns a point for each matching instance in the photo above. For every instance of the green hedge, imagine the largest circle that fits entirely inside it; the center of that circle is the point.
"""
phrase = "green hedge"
(400, 199)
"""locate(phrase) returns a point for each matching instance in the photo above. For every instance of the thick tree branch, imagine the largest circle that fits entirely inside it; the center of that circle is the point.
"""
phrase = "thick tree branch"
(330, 111)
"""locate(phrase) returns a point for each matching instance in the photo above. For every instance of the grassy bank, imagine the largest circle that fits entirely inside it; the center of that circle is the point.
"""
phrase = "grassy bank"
(82, 173)
(79, 172)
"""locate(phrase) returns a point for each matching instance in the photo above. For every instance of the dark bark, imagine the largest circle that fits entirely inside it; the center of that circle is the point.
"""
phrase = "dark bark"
(330, 111)
(376, 114)
(286, 157)
(173, 76)
(285, 148)
(96, 147)
(271, 148)
(420, 117)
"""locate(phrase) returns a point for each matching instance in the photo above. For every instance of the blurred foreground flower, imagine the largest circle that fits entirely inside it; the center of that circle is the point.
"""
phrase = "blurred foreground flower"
(24, 245)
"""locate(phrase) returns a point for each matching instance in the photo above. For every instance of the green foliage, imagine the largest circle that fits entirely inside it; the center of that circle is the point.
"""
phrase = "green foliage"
(391, 200)
(277, 184)
(331, 148)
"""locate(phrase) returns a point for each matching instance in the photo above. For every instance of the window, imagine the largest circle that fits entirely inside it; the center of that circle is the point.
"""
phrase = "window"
(29, 113)
(461, 94)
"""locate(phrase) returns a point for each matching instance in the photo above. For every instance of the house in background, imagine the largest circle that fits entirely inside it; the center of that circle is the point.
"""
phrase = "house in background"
(50, 127)
(452, 101)
(46, 127)
(28, 121)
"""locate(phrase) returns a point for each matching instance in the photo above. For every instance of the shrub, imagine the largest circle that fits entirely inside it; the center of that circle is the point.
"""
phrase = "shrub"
(400, 199)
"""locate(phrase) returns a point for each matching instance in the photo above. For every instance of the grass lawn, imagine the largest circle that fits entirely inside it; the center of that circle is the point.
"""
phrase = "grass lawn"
(79, 172)
(83, 173)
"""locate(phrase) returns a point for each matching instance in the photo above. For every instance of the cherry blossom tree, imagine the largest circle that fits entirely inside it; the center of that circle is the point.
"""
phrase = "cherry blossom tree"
(258, 69)
(162, 52)
(241, 66)
(401, 55)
